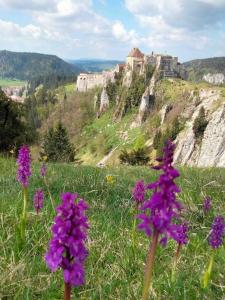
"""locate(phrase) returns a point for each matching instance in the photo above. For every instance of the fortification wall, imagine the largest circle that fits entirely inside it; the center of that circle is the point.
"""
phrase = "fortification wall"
(86, 81)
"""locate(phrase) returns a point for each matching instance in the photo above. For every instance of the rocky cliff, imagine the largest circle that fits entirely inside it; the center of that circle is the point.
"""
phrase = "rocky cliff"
(217, 78)
(210, 150)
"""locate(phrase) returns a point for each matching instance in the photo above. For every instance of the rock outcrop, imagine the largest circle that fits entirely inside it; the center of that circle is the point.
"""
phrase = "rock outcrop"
(210, 151)
(127, 77)
(104, 101)
(164, 112)
(218, 78)
(148, 95)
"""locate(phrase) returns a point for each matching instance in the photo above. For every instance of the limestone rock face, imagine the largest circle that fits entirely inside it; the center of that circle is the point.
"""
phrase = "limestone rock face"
(127, 78)
(143, 109)
(164, 111)
(104, 104)
(148, 94)
(218, 78)
(211, 150)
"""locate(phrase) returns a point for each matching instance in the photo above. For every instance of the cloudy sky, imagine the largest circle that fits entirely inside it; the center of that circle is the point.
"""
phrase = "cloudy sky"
(110, 28)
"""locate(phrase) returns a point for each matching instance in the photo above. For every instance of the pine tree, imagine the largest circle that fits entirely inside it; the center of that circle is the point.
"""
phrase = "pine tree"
(57, 146)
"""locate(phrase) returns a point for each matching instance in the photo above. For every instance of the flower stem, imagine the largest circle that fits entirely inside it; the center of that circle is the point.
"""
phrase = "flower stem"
(149, 265)
(49, 193)
(175, 261)
(25, 200)
(134, 231)
(23, 219)
(67, 291)
(207, 273)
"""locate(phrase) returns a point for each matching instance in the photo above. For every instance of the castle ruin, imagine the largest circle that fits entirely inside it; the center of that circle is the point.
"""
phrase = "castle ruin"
(136, 61)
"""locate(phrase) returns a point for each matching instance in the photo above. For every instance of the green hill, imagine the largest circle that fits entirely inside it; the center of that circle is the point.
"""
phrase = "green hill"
(198, 68)
(23, 66)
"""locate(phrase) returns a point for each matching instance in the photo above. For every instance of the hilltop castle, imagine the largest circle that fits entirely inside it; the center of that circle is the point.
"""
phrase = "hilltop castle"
(136, 61)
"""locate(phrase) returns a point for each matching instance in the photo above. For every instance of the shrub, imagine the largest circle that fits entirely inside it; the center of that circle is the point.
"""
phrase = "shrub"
(176, 127)
(57, 146)
(200, 124)
(171, 133)
(157, 139)
(135, 157)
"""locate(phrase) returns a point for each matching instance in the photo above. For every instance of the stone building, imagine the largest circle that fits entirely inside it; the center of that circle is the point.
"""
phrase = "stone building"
(136, 61)
(86, 81)
(170, 67)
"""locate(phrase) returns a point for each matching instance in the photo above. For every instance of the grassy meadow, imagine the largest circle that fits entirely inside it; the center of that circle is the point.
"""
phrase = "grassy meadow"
(113, 271)
(4, 82)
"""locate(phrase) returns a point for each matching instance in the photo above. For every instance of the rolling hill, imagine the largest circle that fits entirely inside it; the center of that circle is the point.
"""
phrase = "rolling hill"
(197, 68)
(23, 66)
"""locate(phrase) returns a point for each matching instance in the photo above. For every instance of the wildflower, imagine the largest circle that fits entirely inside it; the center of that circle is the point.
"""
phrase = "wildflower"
(217, 232)
(160, 212)
(180, 233)
(162, 207)
(43, 170)
(38, 200)
(181, 237)
(67, 247)
(139, 192)
(215, 240)
(207, 205)
(23, 161)
(110, 179)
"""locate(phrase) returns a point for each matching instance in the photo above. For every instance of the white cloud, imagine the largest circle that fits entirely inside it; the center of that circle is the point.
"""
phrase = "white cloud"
(123, 35)
(191, 14)
(73, 27)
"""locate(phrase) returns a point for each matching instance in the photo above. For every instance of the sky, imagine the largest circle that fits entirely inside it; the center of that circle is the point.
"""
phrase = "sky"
(108, 29)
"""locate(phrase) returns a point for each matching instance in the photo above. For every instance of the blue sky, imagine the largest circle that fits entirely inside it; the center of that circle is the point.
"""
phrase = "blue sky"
(108, 29)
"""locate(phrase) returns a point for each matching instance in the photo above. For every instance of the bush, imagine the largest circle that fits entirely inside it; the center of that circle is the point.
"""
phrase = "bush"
(137, 157)
(200, 124)
(171, 133)
(157, 139)
(57, 146)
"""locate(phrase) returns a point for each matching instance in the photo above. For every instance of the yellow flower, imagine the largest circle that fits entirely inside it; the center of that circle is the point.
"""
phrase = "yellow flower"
(110, 179)
(45, 158)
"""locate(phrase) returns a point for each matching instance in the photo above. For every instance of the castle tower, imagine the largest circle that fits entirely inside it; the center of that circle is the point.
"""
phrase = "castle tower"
(135, 59)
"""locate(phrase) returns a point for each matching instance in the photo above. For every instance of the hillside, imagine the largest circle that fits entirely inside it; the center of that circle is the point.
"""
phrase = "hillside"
(24, 66)
(200, 67)
(129, 120)
(175, 99)
(95, 65)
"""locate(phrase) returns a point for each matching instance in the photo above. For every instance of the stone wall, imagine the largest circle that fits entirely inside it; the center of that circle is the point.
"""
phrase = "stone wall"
(86, 81)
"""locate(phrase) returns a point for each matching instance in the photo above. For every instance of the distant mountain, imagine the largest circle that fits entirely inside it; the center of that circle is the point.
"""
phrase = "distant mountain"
(200, 68)
(24, 66)
(95, 65)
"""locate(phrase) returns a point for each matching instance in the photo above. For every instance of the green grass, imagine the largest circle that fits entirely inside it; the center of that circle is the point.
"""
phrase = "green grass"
(112, 270)
(4, 82)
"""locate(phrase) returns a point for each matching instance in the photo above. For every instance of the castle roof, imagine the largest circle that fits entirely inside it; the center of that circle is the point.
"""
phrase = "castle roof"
(135, 52)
